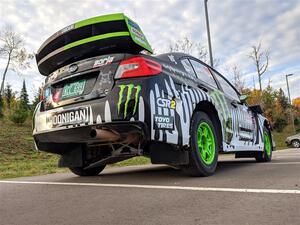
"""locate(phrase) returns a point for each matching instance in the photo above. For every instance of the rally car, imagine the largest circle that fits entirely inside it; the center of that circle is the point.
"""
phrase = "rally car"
(106, 99)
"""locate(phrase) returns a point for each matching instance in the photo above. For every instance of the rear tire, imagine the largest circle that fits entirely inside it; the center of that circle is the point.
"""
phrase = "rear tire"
(204, 142)
(266, 155)
(296, 144)
(80, 171)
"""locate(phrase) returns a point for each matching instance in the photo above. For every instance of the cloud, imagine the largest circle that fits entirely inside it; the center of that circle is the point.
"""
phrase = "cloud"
(235, 26)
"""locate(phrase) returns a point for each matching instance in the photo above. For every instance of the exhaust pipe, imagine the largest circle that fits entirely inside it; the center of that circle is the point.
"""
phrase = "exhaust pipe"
(104, 135)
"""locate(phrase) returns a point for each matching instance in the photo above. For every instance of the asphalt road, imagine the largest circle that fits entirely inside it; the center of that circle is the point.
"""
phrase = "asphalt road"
(241, 192)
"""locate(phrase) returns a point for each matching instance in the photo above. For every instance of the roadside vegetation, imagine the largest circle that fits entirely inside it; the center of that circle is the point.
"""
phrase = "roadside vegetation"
(19, 158)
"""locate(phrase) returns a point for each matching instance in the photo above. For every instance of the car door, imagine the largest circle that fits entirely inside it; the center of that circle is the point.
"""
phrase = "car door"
(243, 121)
(207, 82)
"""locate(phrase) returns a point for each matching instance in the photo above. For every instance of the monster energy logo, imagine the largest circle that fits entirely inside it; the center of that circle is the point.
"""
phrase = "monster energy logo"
(220, 100)
(130, 91)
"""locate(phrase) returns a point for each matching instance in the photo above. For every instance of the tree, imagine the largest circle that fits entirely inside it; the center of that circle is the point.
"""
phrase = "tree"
(24, 101)
(260, 59)
(12, 48)
(19, 115)
(8, 95)
(296, 102)
(282, 99)
(187, 46)
(237, 80)
(37, 98)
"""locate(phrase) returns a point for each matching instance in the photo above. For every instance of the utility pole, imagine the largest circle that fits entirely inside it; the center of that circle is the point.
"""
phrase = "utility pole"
(208, 34)
(290, 102)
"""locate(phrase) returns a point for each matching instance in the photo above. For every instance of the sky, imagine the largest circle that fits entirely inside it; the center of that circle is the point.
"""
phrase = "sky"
(235, 25)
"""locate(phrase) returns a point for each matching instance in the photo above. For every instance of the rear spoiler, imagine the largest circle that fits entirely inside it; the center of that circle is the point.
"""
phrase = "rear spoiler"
(113, 33)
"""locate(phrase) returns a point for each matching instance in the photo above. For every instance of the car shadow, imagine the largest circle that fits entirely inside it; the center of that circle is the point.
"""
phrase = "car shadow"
(160, 174)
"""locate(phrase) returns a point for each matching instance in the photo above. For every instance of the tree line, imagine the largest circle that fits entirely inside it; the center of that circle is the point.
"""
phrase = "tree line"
(15, 105)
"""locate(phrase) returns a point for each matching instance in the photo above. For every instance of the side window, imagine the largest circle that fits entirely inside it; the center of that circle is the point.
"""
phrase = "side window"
(188, 67)
(227, 88)
(203, 73)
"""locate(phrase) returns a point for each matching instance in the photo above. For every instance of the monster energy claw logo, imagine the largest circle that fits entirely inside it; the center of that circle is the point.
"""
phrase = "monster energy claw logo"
(130, 90)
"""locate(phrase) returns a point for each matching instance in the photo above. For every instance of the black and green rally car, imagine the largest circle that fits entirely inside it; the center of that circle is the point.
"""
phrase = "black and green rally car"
(107, 99)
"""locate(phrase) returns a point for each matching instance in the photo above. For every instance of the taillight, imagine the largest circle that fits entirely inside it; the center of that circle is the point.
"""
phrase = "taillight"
(137, 67)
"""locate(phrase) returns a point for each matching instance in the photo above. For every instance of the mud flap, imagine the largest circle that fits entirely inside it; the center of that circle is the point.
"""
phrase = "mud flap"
(72, 158)
(161, 153)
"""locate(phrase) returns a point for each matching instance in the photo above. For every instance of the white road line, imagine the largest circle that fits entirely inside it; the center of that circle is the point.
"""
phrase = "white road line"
(258, 164)
(242, 190)
(284, 163)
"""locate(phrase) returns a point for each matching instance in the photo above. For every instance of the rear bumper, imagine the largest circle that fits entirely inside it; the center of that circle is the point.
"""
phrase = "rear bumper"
(64, 140)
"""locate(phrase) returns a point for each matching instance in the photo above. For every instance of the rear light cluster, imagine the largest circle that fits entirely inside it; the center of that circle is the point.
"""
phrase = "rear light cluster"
(137, 67)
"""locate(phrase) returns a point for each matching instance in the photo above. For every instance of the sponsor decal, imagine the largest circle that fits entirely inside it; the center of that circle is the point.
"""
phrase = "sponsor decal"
(137, 32)
(172, 59)
(222, 105)
(47, 93)
(163, 122)
(128, 92)
(133, 24)
(73, 68)
(66, 29)
(105, 78)
(103, 62)
(52, 76)
(166, 103)
(69, 117)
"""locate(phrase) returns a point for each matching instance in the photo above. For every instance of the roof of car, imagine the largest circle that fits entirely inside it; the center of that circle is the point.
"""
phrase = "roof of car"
(177, 55)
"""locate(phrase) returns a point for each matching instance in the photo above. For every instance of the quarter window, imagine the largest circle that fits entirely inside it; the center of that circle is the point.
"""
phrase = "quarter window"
(203, 73)
(227, 88)
(188, 67)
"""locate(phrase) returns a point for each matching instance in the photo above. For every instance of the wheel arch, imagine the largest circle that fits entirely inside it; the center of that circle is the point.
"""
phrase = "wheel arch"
(208, 108)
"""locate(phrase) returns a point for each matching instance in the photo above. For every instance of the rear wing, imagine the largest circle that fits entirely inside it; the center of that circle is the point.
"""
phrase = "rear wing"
(113, 33)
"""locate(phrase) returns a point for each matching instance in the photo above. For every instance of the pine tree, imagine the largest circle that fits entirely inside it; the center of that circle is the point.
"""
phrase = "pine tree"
(24, 97)
(8, 95)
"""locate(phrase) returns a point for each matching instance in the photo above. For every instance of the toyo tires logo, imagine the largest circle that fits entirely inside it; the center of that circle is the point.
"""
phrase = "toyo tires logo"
(128, 93)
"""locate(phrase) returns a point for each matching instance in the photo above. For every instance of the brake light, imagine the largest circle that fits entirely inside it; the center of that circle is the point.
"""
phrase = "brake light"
(138, 67)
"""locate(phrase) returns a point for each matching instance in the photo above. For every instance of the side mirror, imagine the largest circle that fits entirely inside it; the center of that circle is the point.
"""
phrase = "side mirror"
(243, 98)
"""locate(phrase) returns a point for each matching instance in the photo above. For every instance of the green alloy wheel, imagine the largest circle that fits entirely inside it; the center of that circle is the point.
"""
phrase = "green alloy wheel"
(267, 143)
(266, 155)
(204, 142)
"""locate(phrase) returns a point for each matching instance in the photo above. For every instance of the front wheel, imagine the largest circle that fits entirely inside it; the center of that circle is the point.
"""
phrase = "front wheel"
(80, 171)
(296, 144)
(203, 155)
(266, 155)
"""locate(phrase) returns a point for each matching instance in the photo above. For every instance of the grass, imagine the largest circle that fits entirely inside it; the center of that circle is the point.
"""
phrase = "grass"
(18, 156)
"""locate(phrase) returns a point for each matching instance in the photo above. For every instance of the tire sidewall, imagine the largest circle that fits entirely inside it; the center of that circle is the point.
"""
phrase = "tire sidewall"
(198, 118)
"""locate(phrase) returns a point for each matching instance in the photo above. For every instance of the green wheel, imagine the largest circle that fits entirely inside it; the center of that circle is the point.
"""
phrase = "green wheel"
(204, 142)
(266, 155)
